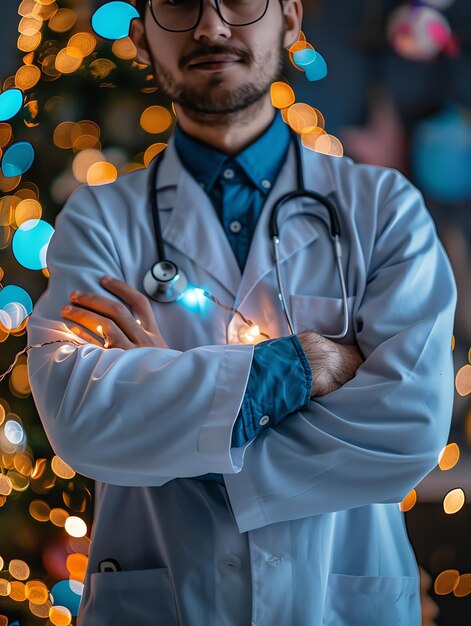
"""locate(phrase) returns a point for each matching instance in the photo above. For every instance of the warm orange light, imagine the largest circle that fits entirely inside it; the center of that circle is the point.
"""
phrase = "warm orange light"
(62, 20)
(29, 25)
(36, 592)
(101, 173)
(27, 77)
(156, 119)
(446, 582)
(463, 588)
(301, 117)
(453, 501)
(61, 468)
(409, 501)
(449, 457)
(124, 49)
(282, 95)
(5, 134)
(68, 60)
(62, 136)
(28, 43)
(60, 615)
(153, 151)
(85, 42)
(463, 381)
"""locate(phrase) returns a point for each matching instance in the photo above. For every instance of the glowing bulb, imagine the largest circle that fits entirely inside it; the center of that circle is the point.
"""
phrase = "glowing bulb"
(99, 329)
(250, 334)
(139, 322)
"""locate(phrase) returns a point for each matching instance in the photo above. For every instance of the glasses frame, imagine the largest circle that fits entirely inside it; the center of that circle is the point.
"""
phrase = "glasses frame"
(218, 9)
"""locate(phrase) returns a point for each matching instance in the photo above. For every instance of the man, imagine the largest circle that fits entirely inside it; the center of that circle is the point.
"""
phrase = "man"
(241, 484)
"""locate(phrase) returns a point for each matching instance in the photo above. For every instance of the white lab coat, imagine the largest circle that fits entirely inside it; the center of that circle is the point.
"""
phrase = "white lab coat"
(307, 530)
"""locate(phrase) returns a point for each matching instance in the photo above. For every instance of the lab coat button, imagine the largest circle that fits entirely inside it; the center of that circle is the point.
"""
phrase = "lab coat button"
(229, 173)
(230, 563)
(235, 226)
(264, 420)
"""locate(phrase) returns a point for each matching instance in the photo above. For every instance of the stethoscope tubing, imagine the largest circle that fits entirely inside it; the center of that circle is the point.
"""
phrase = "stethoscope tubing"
(274, 234)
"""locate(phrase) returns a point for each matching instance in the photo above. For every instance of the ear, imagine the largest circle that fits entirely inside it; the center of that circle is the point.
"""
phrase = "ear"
(138, 36)
(293, 16)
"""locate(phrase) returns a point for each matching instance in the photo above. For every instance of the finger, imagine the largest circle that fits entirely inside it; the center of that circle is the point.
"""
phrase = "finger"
(92, 321)
(139, 302)
(111, 309)
(85, 336)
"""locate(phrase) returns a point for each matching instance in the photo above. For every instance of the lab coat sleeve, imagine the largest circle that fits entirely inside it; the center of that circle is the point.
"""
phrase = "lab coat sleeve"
(137, 417)
(379, 435)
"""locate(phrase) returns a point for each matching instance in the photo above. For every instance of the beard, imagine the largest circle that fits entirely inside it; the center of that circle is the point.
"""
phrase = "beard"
(212, 102)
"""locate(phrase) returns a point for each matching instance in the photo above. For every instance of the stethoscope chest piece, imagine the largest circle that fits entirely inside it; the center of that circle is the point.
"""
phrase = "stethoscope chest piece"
(164, 282)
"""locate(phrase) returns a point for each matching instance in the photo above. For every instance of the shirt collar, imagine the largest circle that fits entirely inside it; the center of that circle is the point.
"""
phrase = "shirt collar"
(261, 161)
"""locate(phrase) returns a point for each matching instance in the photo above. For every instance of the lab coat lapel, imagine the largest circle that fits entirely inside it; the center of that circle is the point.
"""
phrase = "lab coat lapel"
(296, 231)
(194, 227)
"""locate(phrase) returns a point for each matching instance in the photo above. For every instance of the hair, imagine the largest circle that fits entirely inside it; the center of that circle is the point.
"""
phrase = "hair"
(141, 7)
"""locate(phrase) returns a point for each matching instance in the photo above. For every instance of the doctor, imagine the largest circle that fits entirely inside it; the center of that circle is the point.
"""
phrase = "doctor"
(237, 484)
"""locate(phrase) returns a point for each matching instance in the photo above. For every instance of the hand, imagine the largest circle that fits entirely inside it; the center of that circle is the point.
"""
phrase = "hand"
(119, 327)
(333, 364)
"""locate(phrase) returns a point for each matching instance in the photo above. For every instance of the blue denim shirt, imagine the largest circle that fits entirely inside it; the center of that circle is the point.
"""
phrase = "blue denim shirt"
(280, 379)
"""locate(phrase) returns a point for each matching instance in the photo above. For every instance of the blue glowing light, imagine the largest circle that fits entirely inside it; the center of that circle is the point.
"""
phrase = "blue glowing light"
(30, 243)
(194, 298)
(113, 20)
(66, 593)
(11, 102)
(17, 159)
(11, 294)
(312, 62)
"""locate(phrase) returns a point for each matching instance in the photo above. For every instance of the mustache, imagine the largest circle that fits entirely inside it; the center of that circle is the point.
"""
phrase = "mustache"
(244, 55)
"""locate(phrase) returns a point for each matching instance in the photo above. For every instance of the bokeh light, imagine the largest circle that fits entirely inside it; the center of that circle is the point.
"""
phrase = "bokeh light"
(453, 501)
(113, 19)
(30, 243)
(449, 457)
(282, 95)
(156, 119)
(446, 582)
(17, 159)
(75, 526)
(11, 102)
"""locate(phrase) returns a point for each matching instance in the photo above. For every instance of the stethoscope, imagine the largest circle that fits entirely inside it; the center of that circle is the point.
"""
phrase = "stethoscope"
(164, 282)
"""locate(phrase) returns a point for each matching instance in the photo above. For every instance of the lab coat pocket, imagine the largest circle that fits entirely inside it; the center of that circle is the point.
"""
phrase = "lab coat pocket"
(372, 600)
(143, 597)
(322, 315)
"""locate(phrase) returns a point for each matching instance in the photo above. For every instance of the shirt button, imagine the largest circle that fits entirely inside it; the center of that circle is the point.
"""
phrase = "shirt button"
(266, 184)
(229, 173)
(235, 226)
(264, 420)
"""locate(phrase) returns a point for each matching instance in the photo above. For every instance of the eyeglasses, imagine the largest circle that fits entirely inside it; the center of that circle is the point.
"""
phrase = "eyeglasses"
(180, 16)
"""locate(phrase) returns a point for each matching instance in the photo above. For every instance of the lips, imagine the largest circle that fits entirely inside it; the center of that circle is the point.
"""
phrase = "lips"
(215, 59)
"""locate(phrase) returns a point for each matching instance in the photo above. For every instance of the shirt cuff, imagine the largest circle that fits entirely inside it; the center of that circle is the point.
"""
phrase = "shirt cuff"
(280, 383)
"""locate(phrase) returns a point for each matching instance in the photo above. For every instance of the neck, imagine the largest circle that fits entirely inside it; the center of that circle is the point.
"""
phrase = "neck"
(228, 133)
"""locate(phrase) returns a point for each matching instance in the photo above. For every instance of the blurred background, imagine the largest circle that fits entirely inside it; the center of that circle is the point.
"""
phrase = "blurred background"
(397, 94)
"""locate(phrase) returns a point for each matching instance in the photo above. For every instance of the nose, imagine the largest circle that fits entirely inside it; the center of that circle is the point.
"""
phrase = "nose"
(211, 27)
